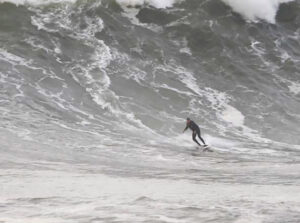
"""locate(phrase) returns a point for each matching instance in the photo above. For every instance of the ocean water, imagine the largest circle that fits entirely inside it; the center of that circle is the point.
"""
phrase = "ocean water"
(94, 95)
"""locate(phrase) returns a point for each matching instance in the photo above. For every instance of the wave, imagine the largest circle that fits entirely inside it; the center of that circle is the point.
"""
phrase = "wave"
(138, 72)
(251, 10)
(37, 2)
(254, 10)
(92, 87)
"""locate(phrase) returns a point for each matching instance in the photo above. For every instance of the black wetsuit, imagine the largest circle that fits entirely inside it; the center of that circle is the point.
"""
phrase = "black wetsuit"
(196, 131)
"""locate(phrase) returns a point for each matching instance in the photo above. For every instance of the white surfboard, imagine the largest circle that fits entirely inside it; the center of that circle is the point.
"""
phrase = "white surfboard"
(207, 148)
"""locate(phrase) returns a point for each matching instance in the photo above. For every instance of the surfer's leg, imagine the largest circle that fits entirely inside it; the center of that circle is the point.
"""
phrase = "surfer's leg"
(199, 135)
(194, 138)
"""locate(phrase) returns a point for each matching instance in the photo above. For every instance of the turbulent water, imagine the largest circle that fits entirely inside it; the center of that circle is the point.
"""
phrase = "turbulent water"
(93, 101)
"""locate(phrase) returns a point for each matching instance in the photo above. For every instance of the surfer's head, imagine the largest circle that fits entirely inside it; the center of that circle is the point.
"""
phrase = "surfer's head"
(188, 120)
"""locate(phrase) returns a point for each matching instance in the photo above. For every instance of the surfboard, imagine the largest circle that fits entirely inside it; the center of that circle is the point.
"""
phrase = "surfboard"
(207, 148)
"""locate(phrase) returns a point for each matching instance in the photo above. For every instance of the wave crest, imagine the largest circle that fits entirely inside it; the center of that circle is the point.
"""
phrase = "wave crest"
(36, 2)
(254, 10)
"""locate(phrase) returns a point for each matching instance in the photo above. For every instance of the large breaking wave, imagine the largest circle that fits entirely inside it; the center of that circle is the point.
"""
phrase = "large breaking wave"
(94, 95)
(123, 72)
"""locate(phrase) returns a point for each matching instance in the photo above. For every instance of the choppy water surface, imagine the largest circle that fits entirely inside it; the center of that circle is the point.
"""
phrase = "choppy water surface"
(94, 96)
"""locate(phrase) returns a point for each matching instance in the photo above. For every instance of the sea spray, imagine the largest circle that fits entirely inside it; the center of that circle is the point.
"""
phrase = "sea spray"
(255, 10)
(36, 2)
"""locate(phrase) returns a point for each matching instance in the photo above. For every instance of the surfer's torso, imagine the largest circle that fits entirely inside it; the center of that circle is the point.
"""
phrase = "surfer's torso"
(193, 126)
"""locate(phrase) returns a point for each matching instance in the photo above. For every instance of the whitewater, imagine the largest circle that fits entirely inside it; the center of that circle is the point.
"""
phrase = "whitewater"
(94, 96)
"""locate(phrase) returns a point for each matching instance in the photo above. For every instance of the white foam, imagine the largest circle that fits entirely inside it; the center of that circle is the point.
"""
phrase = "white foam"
(171, 220)
(165, 86)
(183, 44)
(219, 142)
(154, 3)
(37, 2)
(131, 14)
(295, 87)
(233, 116)
(11, 58)
(254, 10)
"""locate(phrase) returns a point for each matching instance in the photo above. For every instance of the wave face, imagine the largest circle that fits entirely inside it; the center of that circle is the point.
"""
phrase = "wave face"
(109, 84)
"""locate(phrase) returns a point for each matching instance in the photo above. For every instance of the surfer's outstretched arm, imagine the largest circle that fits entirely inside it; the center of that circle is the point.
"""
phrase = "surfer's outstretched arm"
(185, 128)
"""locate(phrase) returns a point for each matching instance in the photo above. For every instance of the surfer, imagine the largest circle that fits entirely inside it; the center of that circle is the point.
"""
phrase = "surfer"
(196, 130)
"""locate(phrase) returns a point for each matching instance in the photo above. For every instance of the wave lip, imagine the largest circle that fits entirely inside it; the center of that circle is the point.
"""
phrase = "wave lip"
(36, 2)
(251, 10)
(254, 10)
